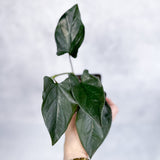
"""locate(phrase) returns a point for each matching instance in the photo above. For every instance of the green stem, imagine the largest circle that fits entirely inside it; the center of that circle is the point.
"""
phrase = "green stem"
(71, 63)
(53, 77)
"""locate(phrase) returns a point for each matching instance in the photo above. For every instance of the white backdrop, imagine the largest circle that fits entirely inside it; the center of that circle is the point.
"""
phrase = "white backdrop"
(122, 43)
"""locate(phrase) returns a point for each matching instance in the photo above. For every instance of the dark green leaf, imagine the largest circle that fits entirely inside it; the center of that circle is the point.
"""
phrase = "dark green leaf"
(90, 133)
(58, 107)
(69, 32)
(88, 94)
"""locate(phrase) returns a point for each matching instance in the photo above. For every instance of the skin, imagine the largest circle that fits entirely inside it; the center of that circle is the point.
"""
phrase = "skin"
(72, 146)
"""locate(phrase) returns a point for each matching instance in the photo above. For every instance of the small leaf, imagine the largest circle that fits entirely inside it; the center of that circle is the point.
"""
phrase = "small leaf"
(58, 107)
(90, 133)
(89, 94)
(69, 32)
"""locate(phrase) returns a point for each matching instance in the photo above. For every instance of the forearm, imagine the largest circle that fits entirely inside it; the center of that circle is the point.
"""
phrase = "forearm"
(73, 148)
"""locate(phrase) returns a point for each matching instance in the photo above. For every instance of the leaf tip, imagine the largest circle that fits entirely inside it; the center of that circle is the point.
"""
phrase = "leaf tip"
(75, 6)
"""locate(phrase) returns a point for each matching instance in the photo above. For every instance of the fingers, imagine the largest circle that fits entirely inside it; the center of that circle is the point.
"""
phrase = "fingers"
(114, 108)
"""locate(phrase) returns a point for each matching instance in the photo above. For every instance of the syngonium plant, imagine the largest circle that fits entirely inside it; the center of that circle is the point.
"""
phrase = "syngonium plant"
(84, 95)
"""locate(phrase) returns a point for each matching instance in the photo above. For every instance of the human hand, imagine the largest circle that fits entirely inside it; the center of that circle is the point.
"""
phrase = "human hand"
(72, 146)
(114, 108)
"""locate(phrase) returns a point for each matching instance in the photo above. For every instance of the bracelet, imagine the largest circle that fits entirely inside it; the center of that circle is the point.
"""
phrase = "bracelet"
(81, 159)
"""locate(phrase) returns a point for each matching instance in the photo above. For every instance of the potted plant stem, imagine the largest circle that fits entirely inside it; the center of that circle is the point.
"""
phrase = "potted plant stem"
(83, 94)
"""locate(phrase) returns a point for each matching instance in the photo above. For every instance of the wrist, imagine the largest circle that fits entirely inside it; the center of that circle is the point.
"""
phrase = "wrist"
(81, 159)
(73, 149)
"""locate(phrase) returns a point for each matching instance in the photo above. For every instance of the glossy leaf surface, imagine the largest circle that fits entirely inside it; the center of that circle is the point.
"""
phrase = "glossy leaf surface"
(58, 107)
(90, 133)
(69, 32)
(88, 94)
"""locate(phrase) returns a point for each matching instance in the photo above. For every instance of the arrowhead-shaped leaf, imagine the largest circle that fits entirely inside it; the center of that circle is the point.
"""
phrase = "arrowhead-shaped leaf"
(69, 32)
(89, 94)
(58, 107)
(90, 133)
